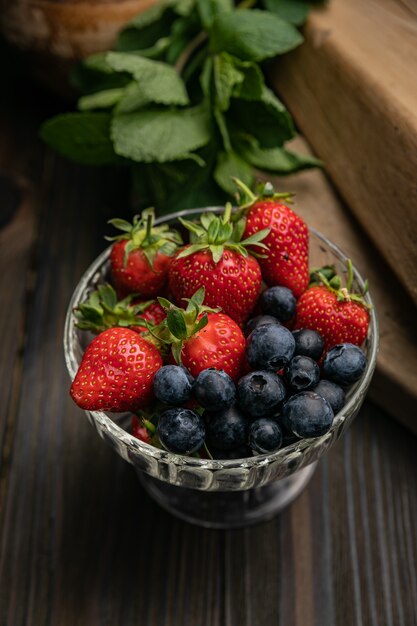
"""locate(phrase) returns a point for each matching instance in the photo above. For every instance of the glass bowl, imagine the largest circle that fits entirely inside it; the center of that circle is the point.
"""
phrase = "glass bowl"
(220, 493)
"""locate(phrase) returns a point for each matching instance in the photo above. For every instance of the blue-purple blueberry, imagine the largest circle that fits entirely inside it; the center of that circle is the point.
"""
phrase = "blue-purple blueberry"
(270, 347)
(259, 320)
(307, 415)
(172, 384)
(181, 431)
(214, 389)
(226, 430)
(308, 343)
(260, 393)
(331, 392)
(279, 302)
(344, 364)
(301, 373)
(265, 435)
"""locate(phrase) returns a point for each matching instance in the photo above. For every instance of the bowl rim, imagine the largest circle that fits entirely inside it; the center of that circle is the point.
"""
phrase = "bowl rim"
(158, 454)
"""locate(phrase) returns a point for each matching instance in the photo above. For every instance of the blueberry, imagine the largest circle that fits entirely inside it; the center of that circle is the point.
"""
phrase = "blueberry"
(260, 393)
(308, 343)
(301, 373)
(259, 320)
(270, 347)
(172, 384)
(307, 415)
(181, 431)
(331, 392)
(226, 430)
(279, 302)
(344, 364)
(214, 389)
(265, 435)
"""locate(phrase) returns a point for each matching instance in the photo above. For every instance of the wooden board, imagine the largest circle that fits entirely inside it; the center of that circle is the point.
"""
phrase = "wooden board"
(352, 89)
(395, 383)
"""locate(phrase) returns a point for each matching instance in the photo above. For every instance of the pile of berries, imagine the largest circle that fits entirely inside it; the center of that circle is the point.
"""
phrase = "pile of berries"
(225, 346)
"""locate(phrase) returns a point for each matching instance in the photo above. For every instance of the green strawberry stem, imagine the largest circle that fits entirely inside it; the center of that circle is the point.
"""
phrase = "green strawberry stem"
(332, 282)
(141, 234)
(181, 324)
(217, 233)
(266, 191)
(148, 425)
(102, 310)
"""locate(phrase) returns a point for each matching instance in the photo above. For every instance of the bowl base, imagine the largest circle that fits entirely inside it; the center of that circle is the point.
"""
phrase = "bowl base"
(227, 509)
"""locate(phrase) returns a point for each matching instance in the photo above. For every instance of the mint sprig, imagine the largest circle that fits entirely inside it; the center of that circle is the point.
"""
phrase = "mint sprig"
(183, 102)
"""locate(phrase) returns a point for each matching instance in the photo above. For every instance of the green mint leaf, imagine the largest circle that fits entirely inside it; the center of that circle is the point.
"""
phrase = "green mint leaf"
(253, 84)
(94, 74)
(277, 160)
(147, 28)
(101, 99)
(155, 135)
(229, 165)
(252, 35)
(294, 11)
(226, 77)
(159, 82)
(266, 119)
(208, 9)
(81, 137)
(133, 98)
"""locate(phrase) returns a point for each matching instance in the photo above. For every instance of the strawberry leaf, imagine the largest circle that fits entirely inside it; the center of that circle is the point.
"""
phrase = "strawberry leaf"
(176, 323)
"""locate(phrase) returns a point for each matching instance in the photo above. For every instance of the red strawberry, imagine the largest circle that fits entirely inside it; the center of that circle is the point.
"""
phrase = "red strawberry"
(116, 372)
(103, 310)
(220, 344)
(338, 315)
(139, 431)
(152, 312)
(286, 262)
(202, 338)
(218, 261)
(141, 255)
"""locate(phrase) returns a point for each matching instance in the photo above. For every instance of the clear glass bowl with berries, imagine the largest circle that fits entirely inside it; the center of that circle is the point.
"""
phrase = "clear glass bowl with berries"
(222, 368)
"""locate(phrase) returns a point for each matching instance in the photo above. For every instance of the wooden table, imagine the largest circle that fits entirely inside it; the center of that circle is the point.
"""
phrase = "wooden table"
(81, 543)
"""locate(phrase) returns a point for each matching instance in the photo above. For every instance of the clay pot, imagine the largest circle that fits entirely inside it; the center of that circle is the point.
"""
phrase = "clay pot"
(55, 33)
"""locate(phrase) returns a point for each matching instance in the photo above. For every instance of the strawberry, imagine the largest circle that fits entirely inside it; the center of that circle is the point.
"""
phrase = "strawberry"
(286, 261)
(201, 337)
(217, 260)
(337, 314)
(139, 430)
(103, 310)
(116, 372)
(152, 312)
(141, 255)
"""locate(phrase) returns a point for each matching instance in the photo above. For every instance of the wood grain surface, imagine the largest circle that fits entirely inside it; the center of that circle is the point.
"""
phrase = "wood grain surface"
(80, 542)
(352, 89)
